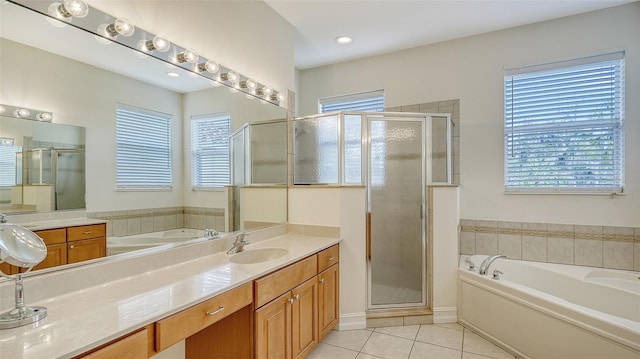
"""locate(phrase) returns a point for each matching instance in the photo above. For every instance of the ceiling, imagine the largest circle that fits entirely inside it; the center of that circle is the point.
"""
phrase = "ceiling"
(382, 26)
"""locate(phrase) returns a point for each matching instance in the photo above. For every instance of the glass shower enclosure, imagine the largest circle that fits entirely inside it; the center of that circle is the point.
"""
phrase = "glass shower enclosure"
(395, 156)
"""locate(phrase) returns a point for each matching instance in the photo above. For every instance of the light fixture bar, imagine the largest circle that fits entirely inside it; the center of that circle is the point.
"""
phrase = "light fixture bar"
(25, 113)
(104, 25)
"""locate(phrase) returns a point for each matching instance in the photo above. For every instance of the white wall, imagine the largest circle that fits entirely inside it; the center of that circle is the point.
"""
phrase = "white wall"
(472, 70)
(247, 36)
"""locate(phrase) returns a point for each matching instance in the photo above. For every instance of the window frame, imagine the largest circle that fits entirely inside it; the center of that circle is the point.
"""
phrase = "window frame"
(559, 126)
(372, 98)
(145, 115)
(210, 117)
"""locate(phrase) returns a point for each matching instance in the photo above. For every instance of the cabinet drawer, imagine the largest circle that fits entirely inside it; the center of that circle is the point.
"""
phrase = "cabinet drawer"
(328, 257)
(190, 321)
(133, 346)
(53, 236)
(85, 232)
(273, 285)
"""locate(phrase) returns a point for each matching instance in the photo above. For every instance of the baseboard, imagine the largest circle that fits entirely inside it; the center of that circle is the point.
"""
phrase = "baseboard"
(352, 321)
(445, 315)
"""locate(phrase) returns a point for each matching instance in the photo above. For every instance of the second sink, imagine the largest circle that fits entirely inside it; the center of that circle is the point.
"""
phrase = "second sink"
(258, 255)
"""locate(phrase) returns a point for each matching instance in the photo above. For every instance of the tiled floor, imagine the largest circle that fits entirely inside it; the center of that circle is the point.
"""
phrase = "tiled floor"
(438, 341)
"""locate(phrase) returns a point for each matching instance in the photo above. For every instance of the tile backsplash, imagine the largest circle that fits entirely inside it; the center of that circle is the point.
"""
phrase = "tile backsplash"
(594, 246)
(131, 222)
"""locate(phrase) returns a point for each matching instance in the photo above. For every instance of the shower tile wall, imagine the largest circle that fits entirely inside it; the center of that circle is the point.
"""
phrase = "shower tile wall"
(593, 246)
(131, 222)
(451, 107)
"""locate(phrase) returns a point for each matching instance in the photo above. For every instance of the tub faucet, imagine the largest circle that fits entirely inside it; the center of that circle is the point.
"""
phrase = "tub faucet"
(211, 233)
(238, 244)
(484, 267)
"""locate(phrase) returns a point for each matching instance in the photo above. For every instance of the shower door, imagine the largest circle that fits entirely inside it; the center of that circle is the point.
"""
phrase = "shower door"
(396, 215)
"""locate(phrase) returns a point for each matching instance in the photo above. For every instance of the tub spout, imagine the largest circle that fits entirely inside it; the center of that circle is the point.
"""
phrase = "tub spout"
(484, 267)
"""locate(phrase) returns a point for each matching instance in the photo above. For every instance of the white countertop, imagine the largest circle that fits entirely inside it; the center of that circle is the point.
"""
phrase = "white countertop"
(60, 223)
(82, 320)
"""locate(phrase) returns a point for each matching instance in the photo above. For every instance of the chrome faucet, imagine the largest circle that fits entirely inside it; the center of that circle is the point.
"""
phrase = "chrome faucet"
(484, 267)
(211, 233)
(238, 244)
(3, 218)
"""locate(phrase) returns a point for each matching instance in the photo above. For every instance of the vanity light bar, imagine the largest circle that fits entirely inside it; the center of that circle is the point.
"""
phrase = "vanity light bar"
(100, 24)
(25, 113)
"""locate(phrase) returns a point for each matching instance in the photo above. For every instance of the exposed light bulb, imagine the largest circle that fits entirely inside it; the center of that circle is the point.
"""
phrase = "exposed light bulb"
(281, 96)
(70, 8)
(21, 112)
(121, 26)
(249, 84)
(230, 76)
(45, 116)
(187, 55)
(54, 11)
(264, 91)
(209, 66)
(157, 44)
(103, 36)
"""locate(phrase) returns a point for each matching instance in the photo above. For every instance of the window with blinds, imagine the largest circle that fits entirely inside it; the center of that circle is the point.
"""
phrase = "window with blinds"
(143, 159)
(210, 163)
(564, 126)
(8, 165)
(372, 101)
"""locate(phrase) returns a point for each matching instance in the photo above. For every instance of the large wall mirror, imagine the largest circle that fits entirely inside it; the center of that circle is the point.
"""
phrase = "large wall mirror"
(82, 81)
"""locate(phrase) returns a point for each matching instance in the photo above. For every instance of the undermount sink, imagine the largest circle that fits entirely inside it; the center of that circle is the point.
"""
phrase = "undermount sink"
(258, 255)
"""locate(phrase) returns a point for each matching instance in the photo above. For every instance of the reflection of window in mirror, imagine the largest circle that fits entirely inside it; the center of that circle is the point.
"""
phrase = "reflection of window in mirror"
(143, 149)
(210, 151)
(8, 154)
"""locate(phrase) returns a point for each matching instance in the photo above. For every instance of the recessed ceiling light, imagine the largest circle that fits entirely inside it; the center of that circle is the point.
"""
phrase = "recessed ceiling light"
(173, 74)
(343, 40)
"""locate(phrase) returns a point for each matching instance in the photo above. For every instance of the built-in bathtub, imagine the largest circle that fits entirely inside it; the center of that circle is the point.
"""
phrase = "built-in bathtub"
(117, 245)
(543, 310)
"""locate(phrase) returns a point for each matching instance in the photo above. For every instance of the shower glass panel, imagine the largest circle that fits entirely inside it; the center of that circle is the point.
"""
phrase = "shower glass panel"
(69, 178)
(352, 149)
(238, 172)
(396, 187)
(316, 155)
(269, 153)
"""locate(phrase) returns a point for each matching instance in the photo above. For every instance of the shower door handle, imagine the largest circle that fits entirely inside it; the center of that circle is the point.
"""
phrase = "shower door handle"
(368, 235)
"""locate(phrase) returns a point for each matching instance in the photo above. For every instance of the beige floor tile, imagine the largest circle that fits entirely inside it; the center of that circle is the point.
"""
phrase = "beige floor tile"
(348, 339)
(387, 346)
(408, 332)
(366, 356)
(444, 337)
(473, 343)
(324, 351)
(466, 355)
(428, 351)
(454, 326)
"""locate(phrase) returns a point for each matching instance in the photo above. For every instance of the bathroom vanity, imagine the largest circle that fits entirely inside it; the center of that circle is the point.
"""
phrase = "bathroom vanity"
(268, 308)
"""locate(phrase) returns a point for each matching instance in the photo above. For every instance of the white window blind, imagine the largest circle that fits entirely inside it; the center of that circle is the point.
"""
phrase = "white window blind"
(143, 157)
(210, 164)
(8, 165)
(564, 126)
(372, 101)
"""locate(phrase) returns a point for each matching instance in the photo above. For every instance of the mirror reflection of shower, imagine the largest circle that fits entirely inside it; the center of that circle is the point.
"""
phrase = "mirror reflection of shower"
(52, 178)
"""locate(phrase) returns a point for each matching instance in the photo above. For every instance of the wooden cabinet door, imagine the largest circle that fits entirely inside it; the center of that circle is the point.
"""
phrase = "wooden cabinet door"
(7, 268)
(273, 329)
(328, 300)
(56, 256)
(304, 318)
(84, 250)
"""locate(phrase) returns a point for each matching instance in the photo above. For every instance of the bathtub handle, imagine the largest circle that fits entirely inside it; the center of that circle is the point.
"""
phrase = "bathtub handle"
(496, 274)
(472, 266)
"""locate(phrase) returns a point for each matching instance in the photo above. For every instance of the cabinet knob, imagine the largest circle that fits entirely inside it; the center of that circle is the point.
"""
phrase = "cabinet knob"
(71, 246)
(322, 280)
(290, 300)
(296, 297)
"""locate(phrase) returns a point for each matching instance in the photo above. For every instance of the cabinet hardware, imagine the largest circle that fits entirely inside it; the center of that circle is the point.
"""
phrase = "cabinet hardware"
(322, 280)
(290, 300)
(71, 247)
(213, 312)
(331, 258)
(87, 232)
(296, 297)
